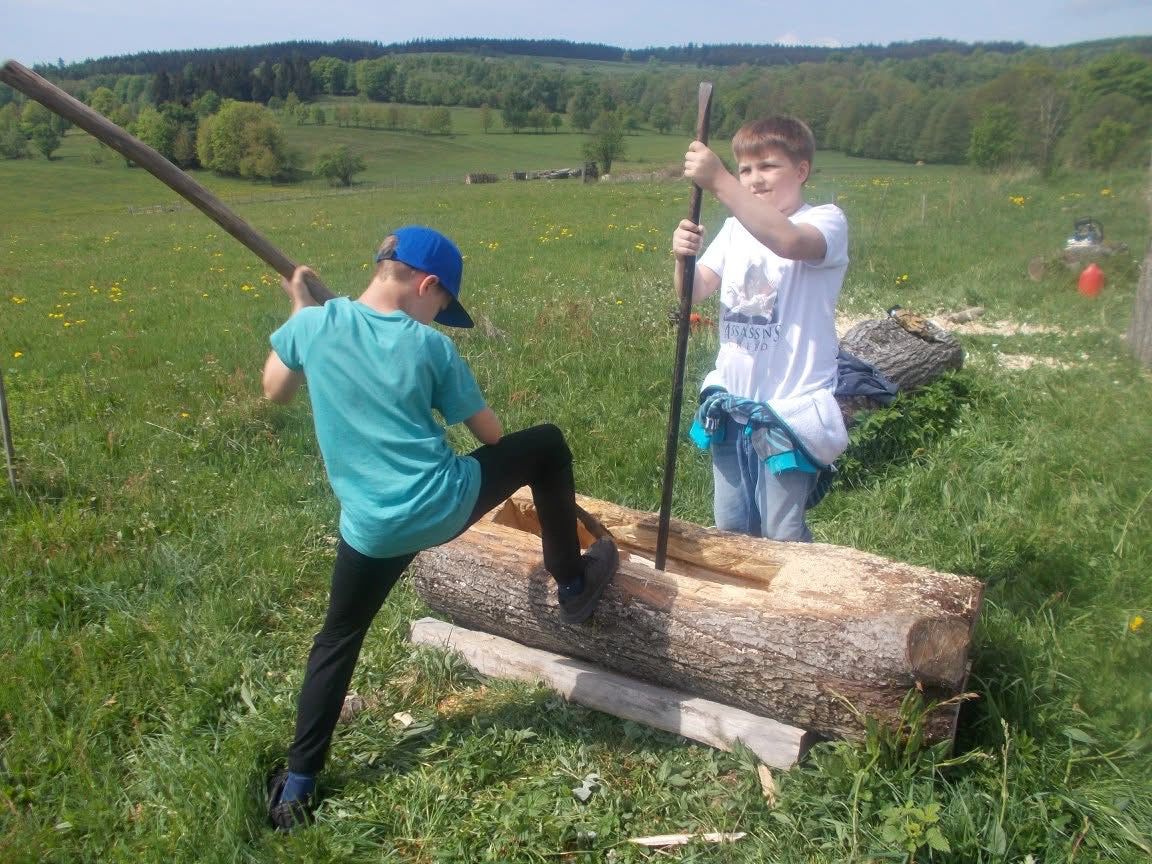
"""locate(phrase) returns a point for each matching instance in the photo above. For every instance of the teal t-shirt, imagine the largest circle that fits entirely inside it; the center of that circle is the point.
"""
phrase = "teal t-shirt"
(374, 380)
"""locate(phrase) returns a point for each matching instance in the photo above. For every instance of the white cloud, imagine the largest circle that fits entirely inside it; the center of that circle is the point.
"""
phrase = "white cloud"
(791, 38)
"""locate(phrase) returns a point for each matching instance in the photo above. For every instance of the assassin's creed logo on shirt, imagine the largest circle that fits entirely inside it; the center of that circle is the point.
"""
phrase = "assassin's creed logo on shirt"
(750, 332)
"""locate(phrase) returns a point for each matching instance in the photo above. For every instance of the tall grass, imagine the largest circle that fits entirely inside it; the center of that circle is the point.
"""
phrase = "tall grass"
(165, 558)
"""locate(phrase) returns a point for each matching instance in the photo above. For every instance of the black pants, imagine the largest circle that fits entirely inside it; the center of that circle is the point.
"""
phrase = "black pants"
(538, 457)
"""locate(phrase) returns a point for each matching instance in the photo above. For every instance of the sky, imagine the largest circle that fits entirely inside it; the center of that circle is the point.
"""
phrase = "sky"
(43, 31)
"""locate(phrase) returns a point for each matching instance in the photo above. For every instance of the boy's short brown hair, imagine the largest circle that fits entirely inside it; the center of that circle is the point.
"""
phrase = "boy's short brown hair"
(778, 132)
(386, 264)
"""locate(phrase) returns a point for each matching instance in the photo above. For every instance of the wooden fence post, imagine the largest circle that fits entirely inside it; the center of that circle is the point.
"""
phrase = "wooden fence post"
(1140, 330)
(9, 452)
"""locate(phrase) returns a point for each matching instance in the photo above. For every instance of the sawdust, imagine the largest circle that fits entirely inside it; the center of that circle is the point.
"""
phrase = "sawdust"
(1022, 362)
(999, 328)
(844, 323)
(462, 703)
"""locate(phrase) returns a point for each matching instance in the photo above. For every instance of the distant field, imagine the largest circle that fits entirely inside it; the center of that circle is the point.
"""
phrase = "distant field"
(167, 555)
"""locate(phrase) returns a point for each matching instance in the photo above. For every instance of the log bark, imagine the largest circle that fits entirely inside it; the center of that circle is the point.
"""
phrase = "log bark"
(1140, 328)
(807, 634)
(907, 360)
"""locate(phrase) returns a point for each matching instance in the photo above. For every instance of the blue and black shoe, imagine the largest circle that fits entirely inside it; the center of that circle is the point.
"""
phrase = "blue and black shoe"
(578, 599)
(287, 815)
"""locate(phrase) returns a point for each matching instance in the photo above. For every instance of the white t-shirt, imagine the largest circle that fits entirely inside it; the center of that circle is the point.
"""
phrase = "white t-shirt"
(777, 316)
(778, 340)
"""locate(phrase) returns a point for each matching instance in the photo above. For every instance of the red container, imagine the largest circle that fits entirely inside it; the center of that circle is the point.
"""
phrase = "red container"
(1091, 281)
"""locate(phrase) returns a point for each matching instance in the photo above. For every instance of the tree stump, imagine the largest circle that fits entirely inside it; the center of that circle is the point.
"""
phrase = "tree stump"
(906, 359)
(806, 634)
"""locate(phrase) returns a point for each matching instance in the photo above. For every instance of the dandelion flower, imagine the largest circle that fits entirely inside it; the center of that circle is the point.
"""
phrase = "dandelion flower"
(17, 354)
(1136, 623)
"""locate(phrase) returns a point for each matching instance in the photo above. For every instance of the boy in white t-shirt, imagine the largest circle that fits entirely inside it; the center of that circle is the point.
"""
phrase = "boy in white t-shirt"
(779, 264)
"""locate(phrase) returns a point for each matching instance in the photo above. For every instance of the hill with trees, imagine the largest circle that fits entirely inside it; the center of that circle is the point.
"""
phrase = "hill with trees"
(991, 104)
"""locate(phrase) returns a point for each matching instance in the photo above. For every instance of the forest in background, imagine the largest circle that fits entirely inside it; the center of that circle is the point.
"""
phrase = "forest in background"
(994, 105)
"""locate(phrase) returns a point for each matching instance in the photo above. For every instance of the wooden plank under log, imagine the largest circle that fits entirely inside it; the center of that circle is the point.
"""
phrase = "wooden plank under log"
(721, 726)
(807, 634)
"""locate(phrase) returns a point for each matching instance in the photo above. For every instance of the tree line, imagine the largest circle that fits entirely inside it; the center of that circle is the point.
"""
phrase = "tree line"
(1081, 104)
(350, 50)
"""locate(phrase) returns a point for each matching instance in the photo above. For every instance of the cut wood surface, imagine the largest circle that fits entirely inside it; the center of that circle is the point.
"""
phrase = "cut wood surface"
(807, 634)
(712, 723)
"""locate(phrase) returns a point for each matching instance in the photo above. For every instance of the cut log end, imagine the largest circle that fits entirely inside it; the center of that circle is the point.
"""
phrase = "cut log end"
(938, 651)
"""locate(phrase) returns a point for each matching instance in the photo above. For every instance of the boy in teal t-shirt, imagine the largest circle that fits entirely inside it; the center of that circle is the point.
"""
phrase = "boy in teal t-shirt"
(376, 374)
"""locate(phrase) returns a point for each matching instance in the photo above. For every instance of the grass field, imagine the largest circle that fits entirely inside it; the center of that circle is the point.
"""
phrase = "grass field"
(165, 559)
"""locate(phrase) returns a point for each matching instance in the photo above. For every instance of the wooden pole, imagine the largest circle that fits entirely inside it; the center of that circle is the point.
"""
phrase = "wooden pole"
(133, 149)
(704, 720)
(688, 263)
(9, 452)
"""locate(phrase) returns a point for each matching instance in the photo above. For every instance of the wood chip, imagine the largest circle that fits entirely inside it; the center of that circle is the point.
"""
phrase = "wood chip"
(767, 784)
(353, 705)
(660, 840)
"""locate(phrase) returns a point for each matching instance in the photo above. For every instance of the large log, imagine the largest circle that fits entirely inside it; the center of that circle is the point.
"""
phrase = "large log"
(806, 634)
(907, 360)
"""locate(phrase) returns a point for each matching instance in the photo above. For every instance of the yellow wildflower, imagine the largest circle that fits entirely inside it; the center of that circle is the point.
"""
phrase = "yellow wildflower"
(17, 354)
(1136, 623)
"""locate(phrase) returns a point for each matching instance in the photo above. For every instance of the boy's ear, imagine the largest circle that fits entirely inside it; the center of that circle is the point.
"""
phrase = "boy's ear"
(427, 283)
(806, 168)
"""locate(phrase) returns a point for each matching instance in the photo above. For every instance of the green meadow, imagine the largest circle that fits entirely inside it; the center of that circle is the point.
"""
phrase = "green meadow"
(167, 550)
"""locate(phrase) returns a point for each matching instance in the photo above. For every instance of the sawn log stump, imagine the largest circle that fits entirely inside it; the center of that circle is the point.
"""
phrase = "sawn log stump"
(906, 359)
(806, 634)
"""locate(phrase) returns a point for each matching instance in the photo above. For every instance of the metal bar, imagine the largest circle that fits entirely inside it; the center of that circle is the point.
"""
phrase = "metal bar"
(703, 115)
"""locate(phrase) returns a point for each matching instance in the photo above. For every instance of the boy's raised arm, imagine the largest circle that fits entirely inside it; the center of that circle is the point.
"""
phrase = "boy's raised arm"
(764, 222)
(280, 382)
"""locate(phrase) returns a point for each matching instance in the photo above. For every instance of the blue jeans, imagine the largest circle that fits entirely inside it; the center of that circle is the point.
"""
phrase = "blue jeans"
(749, 498)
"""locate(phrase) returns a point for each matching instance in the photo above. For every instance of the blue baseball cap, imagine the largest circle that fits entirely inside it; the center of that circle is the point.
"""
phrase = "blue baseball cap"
(430, 252)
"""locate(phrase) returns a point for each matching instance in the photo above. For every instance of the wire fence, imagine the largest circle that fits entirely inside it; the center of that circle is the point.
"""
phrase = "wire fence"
(273, 194)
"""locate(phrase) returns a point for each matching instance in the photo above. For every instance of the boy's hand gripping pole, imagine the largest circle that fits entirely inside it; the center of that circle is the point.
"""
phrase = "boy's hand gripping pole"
(133, 149)
(703, 114)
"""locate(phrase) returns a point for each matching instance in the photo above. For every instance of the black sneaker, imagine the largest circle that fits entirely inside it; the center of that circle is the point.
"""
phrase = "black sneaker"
(286, 815)
(600, 563)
